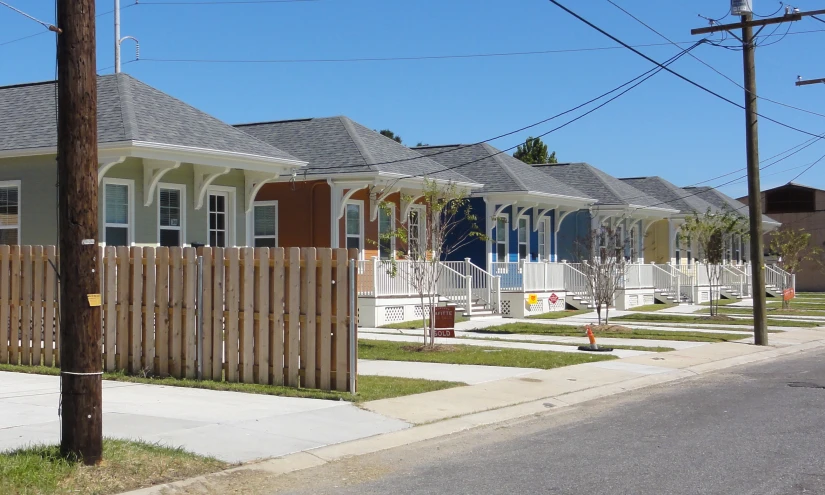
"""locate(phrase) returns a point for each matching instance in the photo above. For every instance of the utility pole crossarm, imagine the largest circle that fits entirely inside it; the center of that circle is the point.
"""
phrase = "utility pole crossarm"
(810, 81)
(796, 16)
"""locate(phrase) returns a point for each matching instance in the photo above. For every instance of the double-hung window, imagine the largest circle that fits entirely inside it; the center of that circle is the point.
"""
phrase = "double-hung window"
(117, 211)
(544, 229)
(501, 239)
(265, 224)
(523, 240)
(171, 216)
(220, 215)
(417, 232)
(10, 212)
(678, 248)
(386, 232)
(355, 225)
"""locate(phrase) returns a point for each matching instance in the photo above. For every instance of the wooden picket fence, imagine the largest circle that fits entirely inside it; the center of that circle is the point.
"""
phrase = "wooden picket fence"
(270, 316)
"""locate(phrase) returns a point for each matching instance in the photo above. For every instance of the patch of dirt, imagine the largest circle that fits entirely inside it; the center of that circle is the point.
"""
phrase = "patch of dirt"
(429, 349)
(607, 329)
(715, 318)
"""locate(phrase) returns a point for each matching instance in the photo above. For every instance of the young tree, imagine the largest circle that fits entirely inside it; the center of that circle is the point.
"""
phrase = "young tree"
(711, 231)
(602, 256)
(534, 152)
(388, 133)
(445, 224)
(793, 247)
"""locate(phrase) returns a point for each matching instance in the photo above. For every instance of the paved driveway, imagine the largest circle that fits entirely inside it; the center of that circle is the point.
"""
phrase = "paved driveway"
(232, 426)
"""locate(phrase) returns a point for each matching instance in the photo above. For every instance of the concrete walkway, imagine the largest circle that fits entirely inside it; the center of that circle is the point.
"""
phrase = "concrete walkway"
(231, 426)
(577, 321)
(464, 373)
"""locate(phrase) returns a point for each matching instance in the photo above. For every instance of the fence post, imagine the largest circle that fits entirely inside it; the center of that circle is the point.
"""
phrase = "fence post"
(469, 281)
(467, 266)
(353, 341)
(199, 303)
(375, 276)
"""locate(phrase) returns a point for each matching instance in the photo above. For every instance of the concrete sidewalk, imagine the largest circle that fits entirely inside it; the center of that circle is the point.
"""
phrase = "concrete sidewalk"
(464, 373)
(232, 426)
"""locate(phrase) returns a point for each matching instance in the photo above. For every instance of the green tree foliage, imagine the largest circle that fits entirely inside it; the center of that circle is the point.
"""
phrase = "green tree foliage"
(388, 133)
(793, 246)
(534, 152)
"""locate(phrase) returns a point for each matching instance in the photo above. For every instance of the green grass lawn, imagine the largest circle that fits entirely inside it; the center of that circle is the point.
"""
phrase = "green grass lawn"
(798, 305)
(811, 295)
(722, 302)
(772, 311)
(694, 320)
(625, 347)
(465, 354)
(555, 315)
(416, 324)
(126, 466)
(652, 307)
(369, 387)
(571, 331)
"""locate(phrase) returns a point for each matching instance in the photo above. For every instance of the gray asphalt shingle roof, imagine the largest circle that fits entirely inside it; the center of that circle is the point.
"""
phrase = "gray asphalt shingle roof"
(499, 172)
(675, 197)
(724, 202)
(608, 190)
(128, 110)
(340, 145)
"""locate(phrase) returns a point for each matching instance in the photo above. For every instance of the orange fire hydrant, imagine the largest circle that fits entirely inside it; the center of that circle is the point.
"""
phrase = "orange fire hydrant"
(591, 337)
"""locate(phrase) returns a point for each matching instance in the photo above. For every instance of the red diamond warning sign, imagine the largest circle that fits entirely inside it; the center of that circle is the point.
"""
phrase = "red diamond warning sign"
(554, 298)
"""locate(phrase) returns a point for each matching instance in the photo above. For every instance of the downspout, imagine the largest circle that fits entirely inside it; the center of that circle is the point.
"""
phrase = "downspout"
(312, 215)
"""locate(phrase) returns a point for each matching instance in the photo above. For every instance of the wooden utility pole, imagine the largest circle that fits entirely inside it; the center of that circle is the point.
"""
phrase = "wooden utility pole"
(748, 39)
(760, 318)
(80, 348)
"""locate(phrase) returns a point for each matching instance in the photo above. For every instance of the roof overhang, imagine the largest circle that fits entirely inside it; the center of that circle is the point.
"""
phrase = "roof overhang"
(174, 153)
(387, 179)
(543, 199)
(636, 211)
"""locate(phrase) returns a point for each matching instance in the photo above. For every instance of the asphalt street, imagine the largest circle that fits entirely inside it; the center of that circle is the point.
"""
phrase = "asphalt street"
(756, 429)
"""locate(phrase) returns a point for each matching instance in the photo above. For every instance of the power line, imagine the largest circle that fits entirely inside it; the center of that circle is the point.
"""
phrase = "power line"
(611, 2)
(50, 27)
(680, 76)
(44, 32)
(240, 2)
(809, 167)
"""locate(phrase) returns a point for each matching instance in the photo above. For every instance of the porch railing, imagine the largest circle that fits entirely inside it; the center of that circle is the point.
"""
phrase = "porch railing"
(638, 276)
(575, 281)
(484, 284)
(666, 280)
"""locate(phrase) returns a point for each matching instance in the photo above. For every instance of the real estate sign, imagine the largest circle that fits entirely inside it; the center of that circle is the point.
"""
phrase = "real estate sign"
(444, 321)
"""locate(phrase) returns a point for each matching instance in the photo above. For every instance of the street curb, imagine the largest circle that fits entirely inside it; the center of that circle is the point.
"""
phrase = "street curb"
(323, 455)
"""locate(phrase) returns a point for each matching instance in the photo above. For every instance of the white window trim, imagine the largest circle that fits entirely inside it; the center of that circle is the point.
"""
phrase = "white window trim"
(230, 213)
(526, 243)
(183, 204)
(19, 185)
(392, 227)
(131, 195)
(506, 240)
(251, 223)
(544, 239)
(422, 225)
(360, 204)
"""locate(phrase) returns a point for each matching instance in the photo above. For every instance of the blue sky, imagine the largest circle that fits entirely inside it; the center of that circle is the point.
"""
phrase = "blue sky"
(664, 127)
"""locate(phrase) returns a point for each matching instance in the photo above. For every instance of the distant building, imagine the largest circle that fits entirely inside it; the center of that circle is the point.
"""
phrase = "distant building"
(799, 207)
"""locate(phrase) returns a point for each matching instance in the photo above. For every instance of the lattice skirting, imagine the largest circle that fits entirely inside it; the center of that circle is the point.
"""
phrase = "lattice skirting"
(393, 314)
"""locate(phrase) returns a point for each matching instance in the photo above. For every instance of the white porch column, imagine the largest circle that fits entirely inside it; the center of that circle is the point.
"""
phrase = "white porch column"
(335, 195)
(672, 229)
(488, 214)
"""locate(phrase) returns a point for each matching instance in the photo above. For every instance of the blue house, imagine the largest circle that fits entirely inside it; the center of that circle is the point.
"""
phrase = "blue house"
(520, 208)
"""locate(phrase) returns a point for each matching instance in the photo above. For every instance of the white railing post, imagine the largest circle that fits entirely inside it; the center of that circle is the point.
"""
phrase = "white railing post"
(468, 266)
(469, 281)
(497, 282)
(375, 275)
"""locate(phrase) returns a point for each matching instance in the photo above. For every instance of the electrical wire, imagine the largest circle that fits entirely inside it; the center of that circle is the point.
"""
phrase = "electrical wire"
(680, 76)
(781, 6)
(807, 169)
(44, 32)
(763, 45)
(50, 27)
(817, 18)
(611, 2)
(240, 2)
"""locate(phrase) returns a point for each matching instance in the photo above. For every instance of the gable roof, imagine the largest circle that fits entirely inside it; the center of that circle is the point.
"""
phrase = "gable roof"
(498, 171)
(128, 111)
(724, 202)
(685, 202)
(334, 145)
(608, 190)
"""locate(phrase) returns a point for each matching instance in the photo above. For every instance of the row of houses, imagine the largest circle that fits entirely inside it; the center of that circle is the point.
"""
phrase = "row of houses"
(172, 175)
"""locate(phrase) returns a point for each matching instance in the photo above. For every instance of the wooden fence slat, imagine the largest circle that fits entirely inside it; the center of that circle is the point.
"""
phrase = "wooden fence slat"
(148, 337)
(110, 331)
(292, 340)
(262, 324)
(218, 303)
(325, 340)
(341, 308)
(162, 300)
(26, 307)
(37, 307)
(352, 317)
(49, 315)
(247, 285)
(206, 300)
(14, 307)
(123, 289)
(101, 278)
(5, 257)
(136, 299)
(175, 313)
(232, 300)
(276, 307)
(309, 329)
(190, 330)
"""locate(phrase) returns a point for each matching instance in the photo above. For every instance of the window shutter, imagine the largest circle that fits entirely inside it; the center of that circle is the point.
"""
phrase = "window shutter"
(266, 220)
(117, 204)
